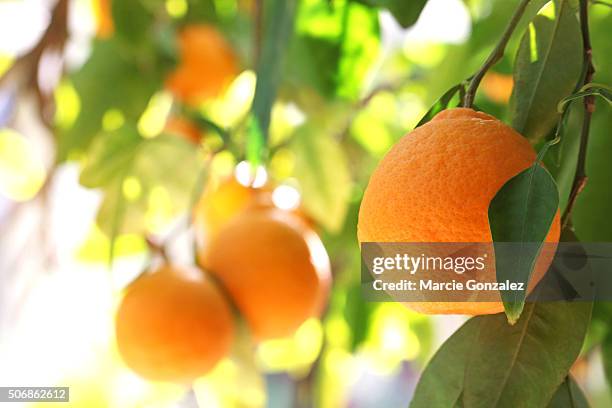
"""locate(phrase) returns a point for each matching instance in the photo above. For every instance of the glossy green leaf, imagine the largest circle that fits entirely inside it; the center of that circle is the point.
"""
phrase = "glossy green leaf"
(278, 28)
(489, 363)
(443, 381)
(322, 170)
(592, 89)
(568, 395)
(562, 157)
(444, 102)
(522, 211)
(547, 68)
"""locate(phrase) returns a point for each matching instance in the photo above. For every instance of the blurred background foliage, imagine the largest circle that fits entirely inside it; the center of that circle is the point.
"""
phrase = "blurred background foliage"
(90, 166)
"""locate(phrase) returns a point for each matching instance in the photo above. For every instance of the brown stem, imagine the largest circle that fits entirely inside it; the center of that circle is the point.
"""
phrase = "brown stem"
(54, 36)
(158, 249)
(26, 67)
(580, 177)
(496, 54)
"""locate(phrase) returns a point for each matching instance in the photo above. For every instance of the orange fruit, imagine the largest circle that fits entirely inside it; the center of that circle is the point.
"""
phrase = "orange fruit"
(219, 204)
(207, 64)
(497, 87)
(222, 201)
(104, 18)
(173, 325)
(274, 267)
(435, 185)
(184, 128)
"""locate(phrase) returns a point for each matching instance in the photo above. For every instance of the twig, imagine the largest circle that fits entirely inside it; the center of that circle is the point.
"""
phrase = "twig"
(55, 35)
(158, 249)
(496, 54)
(580, 177)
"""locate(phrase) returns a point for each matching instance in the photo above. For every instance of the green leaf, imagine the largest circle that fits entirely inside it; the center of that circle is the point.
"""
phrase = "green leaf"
(312, 62)
(141, 179)
(201, 10)
(488, 363)
(132, 20)
(590, 89)
(406, 13)
(606, 356)
(444, 102)
(336, 46)
(357, 313)
(278, 28)
(547, 68)
(568, 395)
(108, 80)
(359, 48)
(322, 171)
(443, 381)
(561, 161)
(522, 211)
(109, 156)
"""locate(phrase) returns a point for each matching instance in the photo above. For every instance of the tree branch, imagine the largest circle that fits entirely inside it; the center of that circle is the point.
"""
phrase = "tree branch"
(55, 35)
(496, 54)
(26, 67)
(580, 177)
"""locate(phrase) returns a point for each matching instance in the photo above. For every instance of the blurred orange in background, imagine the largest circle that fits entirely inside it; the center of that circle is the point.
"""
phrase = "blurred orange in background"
(104, 18)
(497, 87)
(275, 268)
(173, 325)
(207, 64)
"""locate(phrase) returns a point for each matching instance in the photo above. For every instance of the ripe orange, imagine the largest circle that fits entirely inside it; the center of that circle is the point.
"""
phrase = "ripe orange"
(219, 203)
(497, 87)
(184, 128)
(274, 267)
(207, 64)
(435, 185)
(173, 325)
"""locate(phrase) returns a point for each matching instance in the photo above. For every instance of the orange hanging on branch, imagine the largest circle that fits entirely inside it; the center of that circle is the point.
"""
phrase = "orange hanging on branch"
(207, 64)
(274, 267)
(436, 184)
(173, 325)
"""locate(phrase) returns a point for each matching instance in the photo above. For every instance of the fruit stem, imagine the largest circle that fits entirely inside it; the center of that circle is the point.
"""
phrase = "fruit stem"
(580, 177)
(496, 54)
(157, 249)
